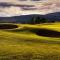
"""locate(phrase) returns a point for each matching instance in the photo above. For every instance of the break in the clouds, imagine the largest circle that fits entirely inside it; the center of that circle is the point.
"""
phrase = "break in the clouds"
(23, 7)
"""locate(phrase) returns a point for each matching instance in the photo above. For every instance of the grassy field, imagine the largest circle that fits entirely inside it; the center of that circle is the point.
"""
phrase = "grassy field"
(22, 43)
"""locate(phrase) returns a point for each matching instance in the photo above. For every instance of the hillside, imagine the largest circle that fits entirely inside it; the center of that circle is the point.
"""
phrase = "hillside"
(27, 18)
(23, 44)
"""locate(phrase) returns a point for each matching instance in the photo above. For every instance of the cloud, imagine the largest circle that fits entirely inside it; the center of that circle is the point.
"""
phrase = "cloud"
(11, 11)
(4, 4)
(29, 8)
(18, 7)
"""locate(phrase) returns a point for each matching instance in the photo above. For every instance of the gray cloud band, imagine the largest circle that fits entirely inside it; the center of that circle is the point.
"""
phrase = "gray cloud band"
(22, 6)
(17, 5)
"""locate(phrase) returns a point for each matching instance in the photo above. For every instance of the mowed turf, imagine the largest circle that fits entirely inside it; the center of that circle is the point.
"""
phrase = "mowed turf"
(22, 43)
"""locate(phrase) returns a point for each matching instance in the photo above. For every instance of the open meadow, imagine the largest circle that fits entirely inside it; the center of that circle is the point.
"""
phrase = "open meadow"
(30, 42)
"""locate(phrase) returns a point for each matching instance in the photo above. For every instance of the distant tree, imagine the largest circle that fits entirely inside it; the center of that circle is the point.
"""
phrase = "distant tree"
(53, 21)
(40, 20)
(37, 20)
(33, 20)
(43, 20)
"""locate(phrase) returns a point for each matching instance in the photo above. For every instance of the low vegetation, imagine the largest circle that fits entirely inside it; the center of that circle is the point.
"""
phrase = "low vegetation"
(24, 42)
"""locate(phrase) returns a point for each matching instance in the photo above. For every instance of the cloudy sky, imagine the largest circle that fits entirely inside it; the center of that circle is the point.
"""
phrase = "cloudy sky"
(23, 7)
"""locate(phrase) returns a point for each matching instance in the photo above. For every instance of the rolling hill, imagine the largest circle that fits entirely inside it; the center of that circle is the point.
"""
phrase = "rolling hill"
(23, 43)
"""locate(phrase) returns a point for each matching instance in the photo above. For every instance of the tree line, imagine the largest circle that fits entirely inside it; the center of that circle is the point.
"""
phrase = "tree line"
(38, 20)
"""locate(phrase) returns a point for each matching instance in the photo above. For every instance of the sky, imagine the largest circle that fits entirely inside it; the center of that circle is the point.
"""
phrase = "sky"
(10, 8)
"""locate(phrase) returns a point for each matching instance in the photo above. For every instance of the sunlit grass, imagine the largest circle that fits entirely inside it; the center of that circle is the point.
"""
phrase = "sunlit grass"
(17, 43)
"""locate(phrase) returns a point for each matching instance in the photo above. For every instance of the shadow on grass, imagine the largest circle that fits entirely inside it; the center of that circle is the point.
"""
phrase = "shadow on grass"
(8, 26)
(39, 32)
(46, 32)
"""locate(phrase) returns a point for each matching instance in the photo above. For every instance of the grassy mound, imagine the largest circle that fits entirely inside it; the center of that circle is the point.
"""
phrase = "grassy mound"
(24, 44)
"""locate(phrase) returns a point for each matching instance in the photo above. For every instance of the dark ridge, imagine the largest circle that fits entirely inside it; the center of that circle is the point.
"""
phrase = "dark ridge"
(19, 19)
(7, 26)
(47, 33)
(27, 19)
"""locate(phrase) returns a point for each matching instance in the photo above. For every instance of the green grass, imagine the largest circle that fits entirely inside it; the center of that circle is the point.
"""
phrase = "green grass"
(23, 44)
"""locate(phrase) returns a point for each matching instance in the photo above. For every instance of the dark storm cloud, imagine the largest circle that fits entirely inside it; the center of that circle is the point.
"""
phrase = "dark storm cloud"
(29, 8)
(30, 0)
(15, 5)
(22, 0)
(3, 4)
(35, 0)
